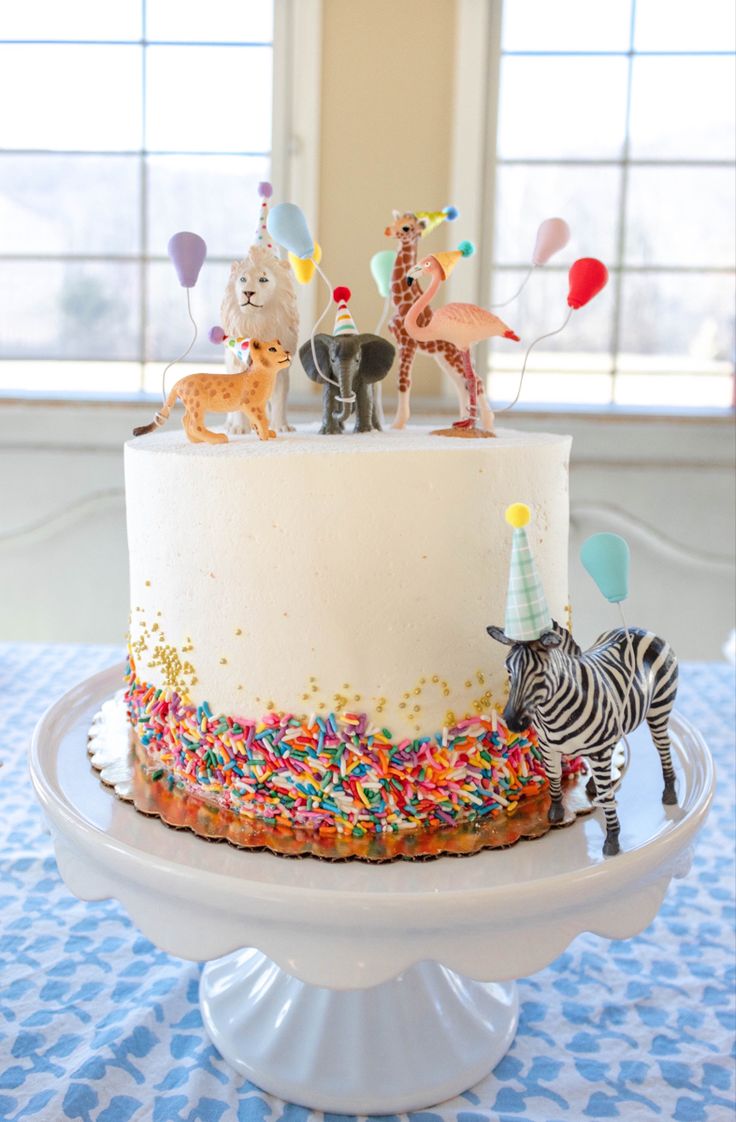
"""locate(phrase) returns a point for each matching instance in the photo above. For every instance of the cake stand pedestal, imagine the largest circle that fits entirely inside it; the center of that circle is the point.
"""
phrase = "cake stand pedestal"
(355, 988)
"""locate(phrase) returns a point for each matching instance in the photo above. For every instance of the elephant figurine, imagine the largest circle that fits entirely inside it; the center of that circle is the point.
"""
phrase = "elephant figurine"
(353, 364)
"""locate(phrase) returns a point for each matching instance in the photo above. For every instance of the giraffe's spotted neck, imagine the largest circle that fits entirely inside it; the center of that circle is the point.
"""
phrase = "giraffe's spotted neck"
(403, 296)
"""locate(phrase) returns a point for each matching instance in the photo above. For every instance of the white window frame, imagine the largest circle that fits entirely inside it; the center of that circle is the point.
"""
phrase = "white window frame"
(476, 100)
(297, 40)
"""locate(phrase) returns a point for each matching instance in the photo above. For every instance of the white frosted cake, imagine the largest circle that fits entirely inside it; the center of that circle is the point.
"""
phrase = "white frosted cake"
(308, 620)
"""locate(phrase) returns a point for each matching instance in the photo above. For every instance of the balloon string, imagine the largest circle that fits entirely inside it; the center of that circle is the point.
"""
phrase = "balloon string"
(526, 357)
(323, 376)
(518, 291)
(181, 356)
(382, 320)
(630, 646)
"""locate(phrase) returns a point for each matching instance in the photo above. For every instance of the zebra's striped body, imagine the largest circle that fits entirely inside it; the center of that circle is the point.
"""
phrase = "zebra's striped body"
(582, 702)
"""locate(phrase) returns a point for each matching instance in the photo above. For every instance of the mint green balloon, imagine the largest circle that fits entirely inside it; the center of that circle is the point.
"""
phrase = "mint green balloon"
(606, 557)
(382, 266)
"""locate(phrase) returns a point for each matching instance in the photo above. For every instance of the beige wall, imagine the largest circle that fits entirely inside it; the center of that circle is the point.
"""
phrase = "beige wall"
(386, 124)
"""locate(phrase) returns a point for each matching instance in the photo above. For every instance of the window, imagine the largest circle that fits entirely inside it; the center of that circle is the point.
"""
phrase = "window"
(618, 117)
(129, 121)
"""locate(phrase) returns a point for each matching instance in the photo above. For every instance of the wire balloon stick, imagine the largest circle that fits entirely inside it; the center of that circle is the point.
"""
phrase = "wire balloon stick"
(519, 290)
(187, 252)
(529, 350)
(184, 353)
(384, 314)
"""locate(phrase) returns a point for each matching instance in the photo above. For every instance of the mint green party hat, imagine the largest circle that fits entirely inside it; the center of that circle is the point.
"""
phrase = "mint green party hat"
(527, 614)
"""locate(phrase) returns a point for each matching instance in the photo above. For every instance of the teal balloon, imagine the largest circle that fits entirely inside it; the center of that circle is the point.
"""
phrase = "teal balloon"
(287, 225)
(382, 266)
(607, 557)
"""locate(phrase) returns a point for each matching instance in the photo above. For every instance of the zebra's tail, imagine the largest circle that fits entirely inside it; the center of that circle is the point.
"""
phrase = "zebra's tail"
(160, 417)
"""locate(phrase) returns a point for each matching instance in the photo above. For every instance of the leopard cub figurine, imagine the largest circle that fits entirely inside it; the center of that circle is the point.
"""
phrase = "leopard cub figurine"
(224, 393)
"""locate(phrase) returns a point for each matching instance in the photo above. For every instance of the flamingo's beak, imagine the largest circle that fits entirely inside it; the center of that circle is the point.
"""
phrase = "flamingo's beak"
(511, 335)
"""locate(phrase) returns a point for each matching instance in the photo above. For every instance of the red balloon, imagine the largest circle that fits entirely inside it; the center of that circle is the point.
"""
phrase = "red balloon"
(587, 277)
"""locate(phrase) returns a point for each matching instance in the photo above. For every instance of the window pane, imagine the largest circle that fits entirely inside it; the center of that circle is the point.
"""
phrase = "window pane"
(562, 107)
(169, 330)
(681, 216)
(208, 99)
(542, 307)
(566, 25)
(586, 197)
(90, 309)
(215, 196)
(676, 25)
(683, 108)
(72, 19)
(676, 317)
(70, 377)
(69, 204)
(89, 97)
(217, 21)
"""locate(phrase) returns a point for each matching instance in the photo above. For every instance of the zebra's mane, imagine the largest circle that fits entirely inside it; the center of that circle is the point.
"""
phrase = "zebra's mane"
(568, 645)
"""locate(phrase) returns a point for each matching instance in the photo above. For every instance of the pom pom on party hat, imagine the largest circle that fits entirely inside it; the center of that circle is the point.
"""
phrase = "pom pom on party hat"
(265, 190)
(527, 614)
(435, 218)
(344, 323)
(449, 258)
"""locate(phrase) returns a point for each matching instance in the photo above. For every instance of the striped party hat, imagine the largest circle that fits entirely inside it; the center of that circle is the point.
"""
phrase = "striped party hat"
(527, 614)
(344, 323)
(265, 190)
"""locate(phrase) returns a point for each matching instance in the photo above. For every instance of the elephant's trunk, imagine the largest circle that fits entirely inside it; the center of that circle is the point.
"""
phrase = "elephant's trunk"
(347, 397)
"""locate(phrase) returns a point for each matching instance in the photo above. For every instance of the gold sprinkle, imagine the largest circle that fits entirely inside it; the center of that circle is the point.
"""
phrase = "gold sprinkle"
(435, 678)
(468, 684)
(356, 697)
(402, 705)
(422, 681)
(406, 696)
(417, 691)
(481, 677)
(445, 693)
(223, 662)
(449, 718)
(315, 689)
(148, 584)
(154, 627)
(270, 704)
(238, 631)
(305, 697)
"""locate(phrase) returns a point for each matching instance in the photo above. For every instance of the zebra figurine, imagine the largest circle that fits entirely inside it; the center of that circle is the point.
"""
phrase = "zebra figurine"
(582, 702)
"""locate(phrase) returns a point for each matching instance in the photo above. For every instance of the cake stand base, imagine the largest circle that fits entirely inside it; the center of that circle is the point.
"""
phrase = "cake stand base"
(370, 989)
(409, 1043)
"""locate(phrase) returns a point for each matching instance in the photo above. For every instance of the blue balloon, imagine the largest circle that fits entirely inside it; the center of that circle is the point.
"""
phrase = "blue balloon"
(287, 225)
(606, 557)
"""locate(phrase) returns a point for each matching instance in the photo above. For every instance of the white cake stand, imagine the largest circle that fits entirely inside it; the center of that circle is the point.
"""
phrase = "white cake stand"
(355, 988)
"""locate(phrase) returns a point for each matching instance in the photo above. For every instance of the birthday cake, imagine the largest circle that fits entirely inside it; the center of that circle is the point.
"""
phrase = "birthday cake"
(309, 610)
(308, 621)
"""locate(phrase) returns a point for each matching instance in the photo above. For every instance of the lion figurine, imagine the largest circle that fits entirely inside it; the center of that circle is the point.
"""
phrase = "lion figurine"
(248, 391)
(260, 302)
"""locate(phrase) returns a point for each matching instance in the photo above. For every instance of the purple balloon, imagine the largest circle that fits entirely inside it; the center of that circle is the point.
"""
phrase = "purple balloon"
(217, 335)
(188, 252)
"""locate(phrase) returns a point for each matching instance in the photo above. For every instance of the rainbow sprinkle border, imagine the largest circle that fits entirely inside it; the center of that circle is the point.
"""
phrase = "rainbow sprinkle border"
(336, 775)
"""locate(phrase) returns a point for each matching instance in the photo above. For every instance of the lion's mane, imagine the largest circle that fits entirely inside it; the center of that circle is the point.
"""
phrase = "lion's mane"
(279, 319)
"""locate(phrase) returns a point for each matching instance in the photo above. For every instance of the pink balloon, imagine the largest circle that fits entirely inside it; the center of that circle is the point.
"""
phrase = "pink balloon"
(188, 252)
(552, 236)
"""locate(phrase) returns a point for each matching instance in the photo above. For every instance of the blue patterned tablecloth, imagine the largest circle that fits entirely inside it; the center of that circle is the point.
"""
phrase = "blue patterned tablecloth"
(98, 1025)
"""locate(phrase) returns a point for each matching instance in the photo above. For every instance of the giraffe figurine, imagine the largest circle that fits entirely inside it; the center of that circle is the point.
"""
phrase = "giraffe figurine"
(408, 229)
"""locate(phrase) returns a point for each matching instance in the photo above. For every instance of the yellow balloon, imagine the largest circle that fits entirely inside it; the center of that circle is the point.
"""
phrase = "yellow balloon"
(518, 515)
(304, 266)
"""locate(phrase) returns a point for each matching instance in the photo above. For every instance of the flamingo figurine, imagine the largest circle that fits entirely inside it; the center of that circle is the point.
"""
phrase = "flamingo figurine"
(460, 324)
